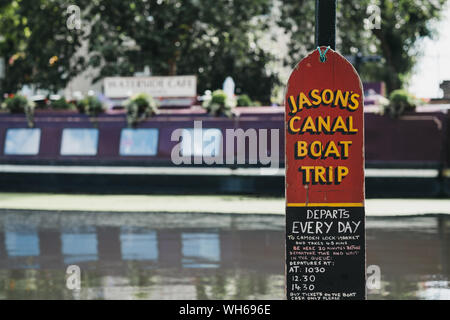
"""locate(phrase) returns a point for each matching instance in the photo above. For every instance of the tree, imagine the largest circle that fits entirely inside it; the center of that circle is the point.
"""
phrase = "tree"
(402, 24)
(212, 40)
(38, 47)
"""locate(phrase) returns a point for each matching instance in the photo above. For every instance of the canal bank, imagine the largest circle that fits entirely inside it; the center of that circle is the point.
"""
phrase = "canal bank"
(213, 204)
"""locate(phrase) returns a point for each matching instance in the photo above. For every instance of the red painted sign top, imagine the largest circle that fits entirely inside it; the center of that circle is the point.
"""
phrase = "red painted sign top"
(324, 133)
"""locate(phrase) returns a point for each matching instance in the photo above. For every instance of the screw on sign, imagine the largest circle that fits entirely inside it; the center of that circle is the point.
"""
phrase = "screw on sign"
(325, 221)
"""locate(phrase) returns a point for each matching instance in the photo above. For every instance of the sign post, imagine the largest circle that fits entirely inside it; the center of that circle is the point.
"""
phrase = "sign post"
(325, 220)
(326, 23)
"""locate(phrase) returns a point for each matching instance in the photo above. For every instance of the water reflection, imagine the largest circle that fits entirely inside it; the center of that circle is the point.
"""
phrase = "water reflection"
(198, 256)
(414, 256)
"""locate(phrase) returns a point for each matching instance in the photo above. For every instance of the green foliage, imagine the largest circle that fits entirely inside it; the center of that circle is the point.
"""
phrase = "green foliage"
(62, 104)
(38, 47)
(403, 24)
(244, 101)
(139, 108)
(20, 104)
(81, 105)
(219, 104)
(91, 106)
(400, 101)
(94, 106)
(219, 97)
(16, 104)
(212, 40)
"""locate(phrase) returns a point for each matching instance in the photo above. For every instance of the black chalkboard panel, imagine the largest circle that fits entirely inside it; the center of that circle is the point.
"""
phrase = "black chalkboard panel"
(325, 253)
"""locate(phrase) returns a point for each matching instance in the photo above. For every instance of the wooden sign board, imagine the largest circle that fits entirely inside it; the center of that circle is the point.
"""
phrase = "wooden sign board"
(325, 221)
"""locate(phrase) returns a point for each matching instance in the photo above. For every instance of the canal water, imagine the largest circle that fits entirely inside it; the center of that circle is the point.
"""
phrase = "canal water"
(198, 256)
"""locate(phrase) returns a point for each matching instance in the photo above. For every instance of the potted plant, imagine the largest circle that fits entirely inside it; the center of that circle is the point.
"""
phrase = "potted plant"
(219, 104)
(90, 105)
(139, 107)
(400, 101)
(62, 104)
(244, 101)
(20, 104)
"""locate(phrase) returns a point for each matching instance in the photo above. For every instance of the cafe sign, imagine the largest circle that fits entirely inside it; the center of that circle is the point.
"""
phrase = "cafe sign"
(157, 87)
